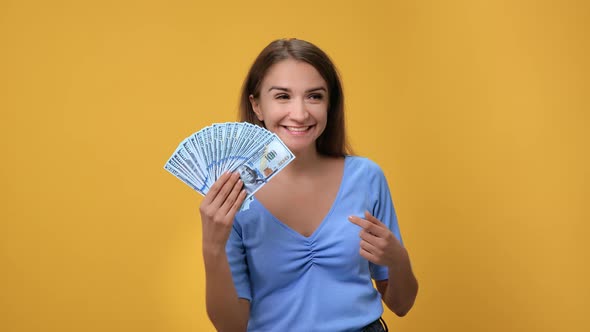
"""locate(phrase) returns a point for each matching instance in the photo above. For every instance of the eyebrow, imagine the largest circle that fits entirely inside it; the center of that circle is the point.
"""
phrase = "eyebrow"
(289, 90)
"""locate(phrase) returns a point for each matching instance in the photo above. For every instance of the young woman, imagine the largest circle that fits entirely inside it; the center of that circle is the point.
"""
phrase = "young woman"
(303, 256)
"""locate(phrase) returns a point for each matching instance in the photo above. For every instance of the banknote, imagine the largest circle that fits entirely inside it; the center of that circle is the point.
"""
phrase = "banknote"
(253, 151)
(265, 161)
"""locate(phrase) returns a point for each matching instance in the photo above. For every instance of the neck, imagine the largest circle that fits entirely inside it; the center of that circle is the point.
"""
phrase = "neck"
(304, 163)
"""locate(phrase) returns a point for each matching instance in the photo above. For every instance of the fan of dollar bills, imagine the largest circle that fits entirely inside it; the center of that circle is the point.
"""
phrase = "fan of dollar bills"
(253, 151)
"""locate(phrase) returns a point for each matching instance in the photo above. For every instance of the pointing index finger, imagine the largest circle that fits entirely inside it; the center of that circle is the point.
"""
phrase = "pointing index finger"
(358, 221)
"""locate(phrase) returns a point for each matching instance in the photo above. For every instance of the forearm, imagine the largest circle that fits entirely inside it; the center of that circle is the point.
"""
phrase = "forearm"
(402, 286)
(226, 311)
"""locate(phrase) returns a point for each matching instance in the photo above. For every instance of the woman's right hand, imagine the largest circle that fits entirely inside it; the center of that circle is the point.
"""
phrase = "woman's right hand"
(218, 209)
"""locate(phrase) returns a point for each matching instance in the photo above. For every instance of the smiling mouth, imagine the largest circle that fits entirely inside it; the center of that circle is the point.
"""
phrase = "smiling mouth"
(298, 129)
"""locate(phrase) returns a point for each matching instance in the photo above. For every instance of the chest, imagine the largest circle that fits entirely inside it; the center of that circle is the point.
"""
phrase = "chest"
(302, 206)
(279, 255)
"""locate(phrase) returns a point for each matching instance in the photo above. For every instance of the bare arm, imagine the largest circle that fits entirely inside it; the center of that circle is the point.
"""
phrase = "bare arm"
(227, 312)
(380, 246)
(399, 296)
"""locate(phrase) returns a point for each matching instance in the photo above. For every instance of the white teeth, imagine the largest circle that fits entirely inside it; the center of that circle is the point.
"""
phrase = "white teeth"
(298, 129)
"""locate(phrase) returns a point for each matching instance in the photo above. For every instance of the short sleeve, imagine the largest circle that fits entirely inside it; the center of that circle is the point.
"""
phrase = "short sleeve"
(236, 256)
(382, 209)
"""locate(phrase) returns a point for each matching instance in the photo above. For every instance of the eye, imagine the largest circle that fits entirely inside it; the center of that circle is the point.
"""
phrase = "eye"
(282, 96)
(316, 96)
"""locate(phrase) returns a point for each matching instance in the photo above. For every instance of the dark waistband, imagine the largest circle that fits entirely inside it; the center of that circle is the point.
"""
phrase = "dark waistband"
(376, 326)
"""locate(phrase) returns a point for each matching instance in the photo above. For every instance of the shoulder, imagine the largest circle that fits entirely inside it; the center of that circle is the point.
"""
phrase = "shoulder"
(364, 164)
(248, 213)
(364, 170)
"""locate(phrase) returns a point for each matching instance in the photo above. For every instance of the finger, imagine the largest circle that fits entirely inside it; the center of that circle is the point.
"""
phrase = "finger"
(379, 227)
(231, 198)
(368, 256)
(362, 223)
(369, 247)
(369, 217)
(225, 190)
(369, 237)
(238, 203)
(366, 225)
(214, 190)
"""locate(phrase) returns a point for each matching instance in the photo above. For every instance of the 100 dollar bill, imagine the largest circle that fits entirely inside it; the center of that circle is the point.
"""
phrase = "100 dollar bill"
(265, 162)
(252, 151)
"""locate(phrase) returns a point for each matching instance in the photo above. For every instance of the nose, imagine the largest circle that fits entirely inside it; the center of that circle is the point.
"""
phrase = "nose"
(299, 111)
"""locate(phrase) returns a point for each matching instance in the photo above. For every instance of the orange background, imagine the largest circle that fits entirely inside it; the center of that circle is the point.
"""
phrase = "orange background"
(476, 110)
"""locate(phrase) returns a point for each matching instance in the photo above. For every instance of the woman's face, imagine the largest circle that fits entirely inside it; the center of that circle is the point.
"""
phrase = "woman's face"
(293, 103)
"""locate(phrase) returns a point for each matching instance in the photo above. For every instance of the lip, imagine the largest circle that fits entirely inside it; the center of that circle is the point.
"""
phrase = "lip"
(298, 130)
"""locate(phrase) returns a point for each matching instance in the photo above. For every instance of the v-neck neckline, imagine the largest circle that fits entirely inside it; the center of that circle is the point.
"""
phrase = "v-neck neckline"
(324, 220)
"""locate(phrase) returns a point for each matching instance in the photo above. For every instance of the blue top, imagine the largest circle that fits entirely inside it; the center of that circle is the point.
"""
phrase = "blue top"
(315, 283)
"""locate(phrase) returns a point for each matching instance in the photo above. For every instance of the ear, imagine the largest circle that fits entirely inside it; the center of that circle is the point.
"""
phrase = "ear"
(256, 107)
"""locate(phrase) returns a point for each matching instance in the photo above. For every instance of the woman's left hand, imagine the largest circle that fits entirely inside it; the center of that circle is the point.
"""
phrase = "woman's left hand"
(378, 244)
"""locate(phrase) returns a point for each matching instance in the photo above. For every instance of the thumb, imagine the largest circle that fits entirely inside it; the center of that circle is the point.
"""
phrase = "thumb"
(369, 217)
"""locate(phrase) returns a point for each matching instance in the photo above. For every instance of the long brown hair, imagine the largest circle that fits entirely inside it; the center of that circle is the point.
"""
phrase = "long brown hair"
(333, 141)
